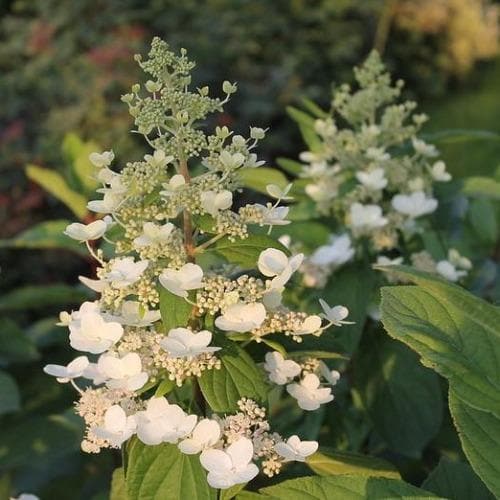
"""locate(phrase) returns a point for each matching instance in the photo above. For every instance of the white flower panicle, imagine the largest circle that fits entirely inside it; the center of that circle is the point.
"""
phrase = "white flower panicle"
(373, 175)
(174, 295)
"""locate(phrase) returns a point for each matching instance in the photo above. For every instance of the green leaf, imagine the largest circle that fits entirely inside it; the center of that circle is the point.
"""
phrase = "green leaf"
(39, 439)
(317, 354)
(77, 153)
(175, 311)
(164, 387)
(275, 346)
(231, 492)
(310, 234)
(118, 486)
(479, 433)
(291, 166)
(46, 235)
(245, 252)
(161, 472)
(482, 216)
(10, 399)
(482, 186)
(454, 136)
(54, 183)
(306, 127)
(258, 178)
(392, 386)
(15, 346)
(342, 487)
(331, 463)
(456, 480)
(313, 108)
(41, 296)
(238, 377)
(453, 331)
(351, 286)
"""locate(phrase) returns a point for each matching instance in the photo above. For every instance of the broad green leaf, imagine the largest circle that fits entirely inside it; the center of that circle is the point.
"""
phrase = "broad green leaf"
(10, 399)
(41, 296)
(456, 480)
(310, 234)
(46, 235)
(392, 386)
(15, 346)
(317, 354)
(482, 216)
(479, 433)
(37, 439)
(303, 211)
(118, 486)
(306, 127)
(238, 377)
(55, 184)
(482, 186)
(291, 166)
(231, 492)
(331, 463)
(245, 252)
(164, 387)
(175, 311)
(258, 178)
(341, 487)
(454, 332)
(162, 472)
(77, 153)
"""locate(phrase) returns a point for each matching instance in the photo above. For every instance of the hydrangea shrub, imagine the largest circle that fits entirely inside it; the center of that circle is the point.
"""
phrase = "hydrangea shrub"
(187, 283)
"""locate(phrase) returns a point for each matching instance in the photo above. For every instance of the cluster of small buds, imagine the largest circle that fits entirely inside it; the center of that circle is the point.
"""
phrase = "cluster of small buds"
(155, 215)
(374, 176)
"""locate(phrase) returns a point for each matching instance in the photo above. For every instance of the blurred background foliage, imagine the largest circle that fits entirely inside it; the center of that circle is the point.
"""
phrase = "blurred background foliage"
(63, 66)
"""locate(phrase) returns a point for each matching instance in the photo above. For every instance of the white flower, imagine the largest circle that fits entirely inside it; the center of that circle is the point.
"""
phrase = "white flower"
(309, 394)
(103, 159)
(320, 192)
(122, 373)
(416, 184)
(373, 180)
(153, 234)
(231, 161)
(280, 370)
(86, 232)
(158, 158)
(90, 332)
(125, 272)
(274, 263)
(25, 496)
(176, 183)
(337, 252)
(415, 204)
(64, 374)
(278, 193)
(449, 271)
(421, 147)
(366, 216)
(110, 202)
(178, 282)
(295, 450)
(377, 154)
(117, 426)
(310, 326)
(382, 260)
(231, 466)
(241, 317)
(163, 422)
(273, 216)
(213, 201)
(335, 315)
(458, 260)
(331, 376)
(183, 343)
(133, 315)
(272, 299)
(96, 285)
(205, 435)
(439, 173)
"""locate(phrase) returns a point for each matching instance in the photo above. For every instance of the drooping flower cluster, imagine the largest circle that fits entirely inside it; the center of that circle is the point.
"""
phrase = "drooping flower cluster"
(168, 291)
(370, 172)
